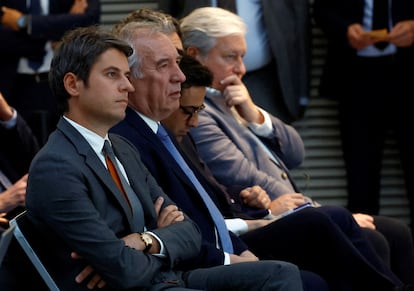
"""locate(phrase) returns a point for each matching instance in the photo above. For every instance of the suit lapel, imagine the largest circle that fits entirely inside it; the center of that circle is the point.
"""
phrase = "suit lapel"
(95, 164)
(135, 121)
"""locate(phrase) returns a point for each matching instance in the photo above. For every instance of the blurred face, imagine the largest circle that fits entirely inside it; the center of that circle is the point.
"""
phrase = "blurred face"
(102, 103)
(157, 92)
(186, 117)
(225, 59)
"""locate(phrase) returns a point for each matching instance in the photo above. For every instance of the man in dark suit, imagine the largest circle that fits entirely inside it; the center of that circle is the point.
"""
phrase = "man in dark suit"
(151, 101)
(17, 149)
(157, 80)
(367, 75)
(131, 234)
(277, 61)
(29, 34)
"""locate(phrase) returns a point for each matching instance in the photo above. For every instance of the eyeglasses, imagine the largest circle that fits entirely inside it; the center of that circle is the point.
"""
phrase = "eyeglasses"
(191, 110)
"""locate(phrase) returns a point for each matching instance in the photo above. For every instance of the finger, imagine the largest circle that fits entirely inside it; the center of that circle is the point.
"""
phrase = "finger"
(75, 256)
(84, 274)
(101, 284)
(93, 281)
(157, 205)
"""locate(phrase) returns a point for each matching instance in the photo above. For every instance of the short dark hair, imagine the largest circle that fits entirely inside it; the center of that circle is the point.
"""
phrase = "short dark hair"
(76, 53)
(196, 74)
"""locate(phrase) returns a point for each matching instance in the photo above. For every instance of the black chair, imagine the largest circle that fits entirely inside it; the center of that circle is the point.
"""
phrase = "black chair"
(26, 240)
(5, 240)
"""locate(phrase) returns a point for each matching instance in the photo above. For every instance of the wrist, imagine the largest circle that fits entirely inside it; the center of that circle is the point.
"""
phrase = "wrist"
(147, 240)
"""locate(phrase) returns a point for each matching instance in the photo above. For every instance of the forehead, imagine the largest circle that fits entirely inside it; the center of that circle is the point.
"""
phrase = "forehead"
(193, 96)
(156, 45)
(231, 43)
(112, 58)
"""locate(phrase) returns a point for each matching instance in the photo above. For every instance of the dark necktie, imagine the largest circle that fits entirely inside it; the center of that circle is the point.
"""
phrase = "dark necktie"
(124, 187)
(35, 9)
(380, 19)
(227, 4)
(217, 217)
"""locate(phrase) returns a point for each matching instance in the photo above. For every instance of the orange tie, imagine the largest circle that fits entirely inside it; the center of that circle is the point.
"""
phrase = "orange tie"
(115, 176)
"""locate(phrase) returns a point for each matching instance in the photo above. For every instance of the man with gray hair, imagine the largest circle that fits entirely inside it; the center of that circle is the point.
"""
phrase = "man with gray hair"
(241, 143)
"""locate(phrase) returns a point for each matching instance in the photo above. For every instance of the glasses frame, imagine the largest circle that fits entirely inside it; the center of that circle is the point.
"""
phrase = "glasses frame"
(191, 110)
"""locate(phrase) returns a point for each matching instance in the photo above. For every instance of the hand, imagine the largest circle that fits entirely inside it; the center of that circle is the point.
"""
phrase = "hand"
(10, 17)
(4, 222)
(78, 7)
(14, 196)
(357, 37)
(236, 94)
(246, 256)
(286, 202)
(255, 196)
(402, 34)
(95, 281)
(364, 220)
(6, 112)
(168, 215)
(132, 240)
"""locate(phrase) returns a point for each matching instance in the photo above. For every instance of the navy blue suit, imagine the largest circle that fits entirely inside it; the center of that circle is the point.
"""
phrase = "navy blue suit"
(281, 240)
(175, 183)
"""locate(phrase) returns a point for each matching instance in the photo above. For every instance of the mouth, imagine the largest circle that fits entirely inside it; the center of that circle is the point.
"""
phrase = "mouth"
(176, 95)
(124, 101)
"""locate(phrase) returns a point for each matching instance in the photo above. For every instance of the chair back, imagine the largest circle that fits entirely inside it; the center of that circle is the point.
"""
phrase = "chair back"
(22, 234)
(5, 240)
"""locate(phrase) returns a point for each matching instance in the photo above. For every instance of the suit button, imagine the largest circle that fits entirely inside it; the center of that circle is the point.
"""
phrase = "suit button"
(284, 175)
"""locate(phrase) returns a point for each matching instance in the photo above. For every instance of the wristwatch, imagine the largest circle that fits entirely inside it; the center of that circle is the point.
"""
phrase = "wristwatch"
(22, 22)
(146, 238)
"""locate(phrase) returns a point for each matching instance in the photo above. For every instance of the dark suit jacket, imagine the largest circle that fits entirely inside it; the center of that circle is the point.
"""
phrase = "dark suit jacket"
(74, 205)
(287, 24)
(175, 183)
(334, 17)
(14, 45)
(228, 199)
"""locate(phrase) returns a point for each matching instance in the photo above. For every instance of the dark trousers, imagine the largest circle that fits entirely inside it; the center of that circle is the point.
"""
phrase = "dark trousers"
(327, 241)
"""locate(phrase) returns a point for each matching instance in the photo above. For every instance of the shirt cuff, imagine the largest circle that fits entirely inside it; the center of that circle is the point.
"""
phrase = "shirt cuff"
(237, 226)
(266, 128)
(162, 252)
(226, 259)
(11, 122)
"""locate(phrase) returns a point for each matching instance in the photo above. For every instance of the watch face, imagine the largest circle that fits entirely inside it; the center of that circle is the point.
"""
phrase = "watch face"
(147, 240)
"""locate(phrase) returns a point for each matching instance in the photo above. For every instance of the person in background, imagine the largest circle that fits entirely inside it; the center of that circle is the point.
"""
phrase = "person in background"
(17, 149)
(243, 145)
(130, 233)
(278, 38)
(375, 97)
(29, 31)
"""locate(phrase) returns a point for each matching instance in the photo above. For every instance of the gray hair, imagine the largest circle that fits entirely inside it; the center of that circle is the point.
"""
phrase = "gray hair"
(204, 25)
(132, 33)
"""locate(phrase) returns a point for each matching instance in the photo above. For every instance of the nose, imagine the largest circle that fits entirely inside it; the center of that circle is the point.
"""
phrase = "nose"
(239, 67)
(193, 120)
(127, 85)
(179, 75)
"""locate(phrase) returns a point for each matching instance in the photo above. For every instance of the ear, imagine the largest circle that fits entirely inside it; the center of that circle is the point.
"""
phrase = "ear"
(192, 51)
(70, 81)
